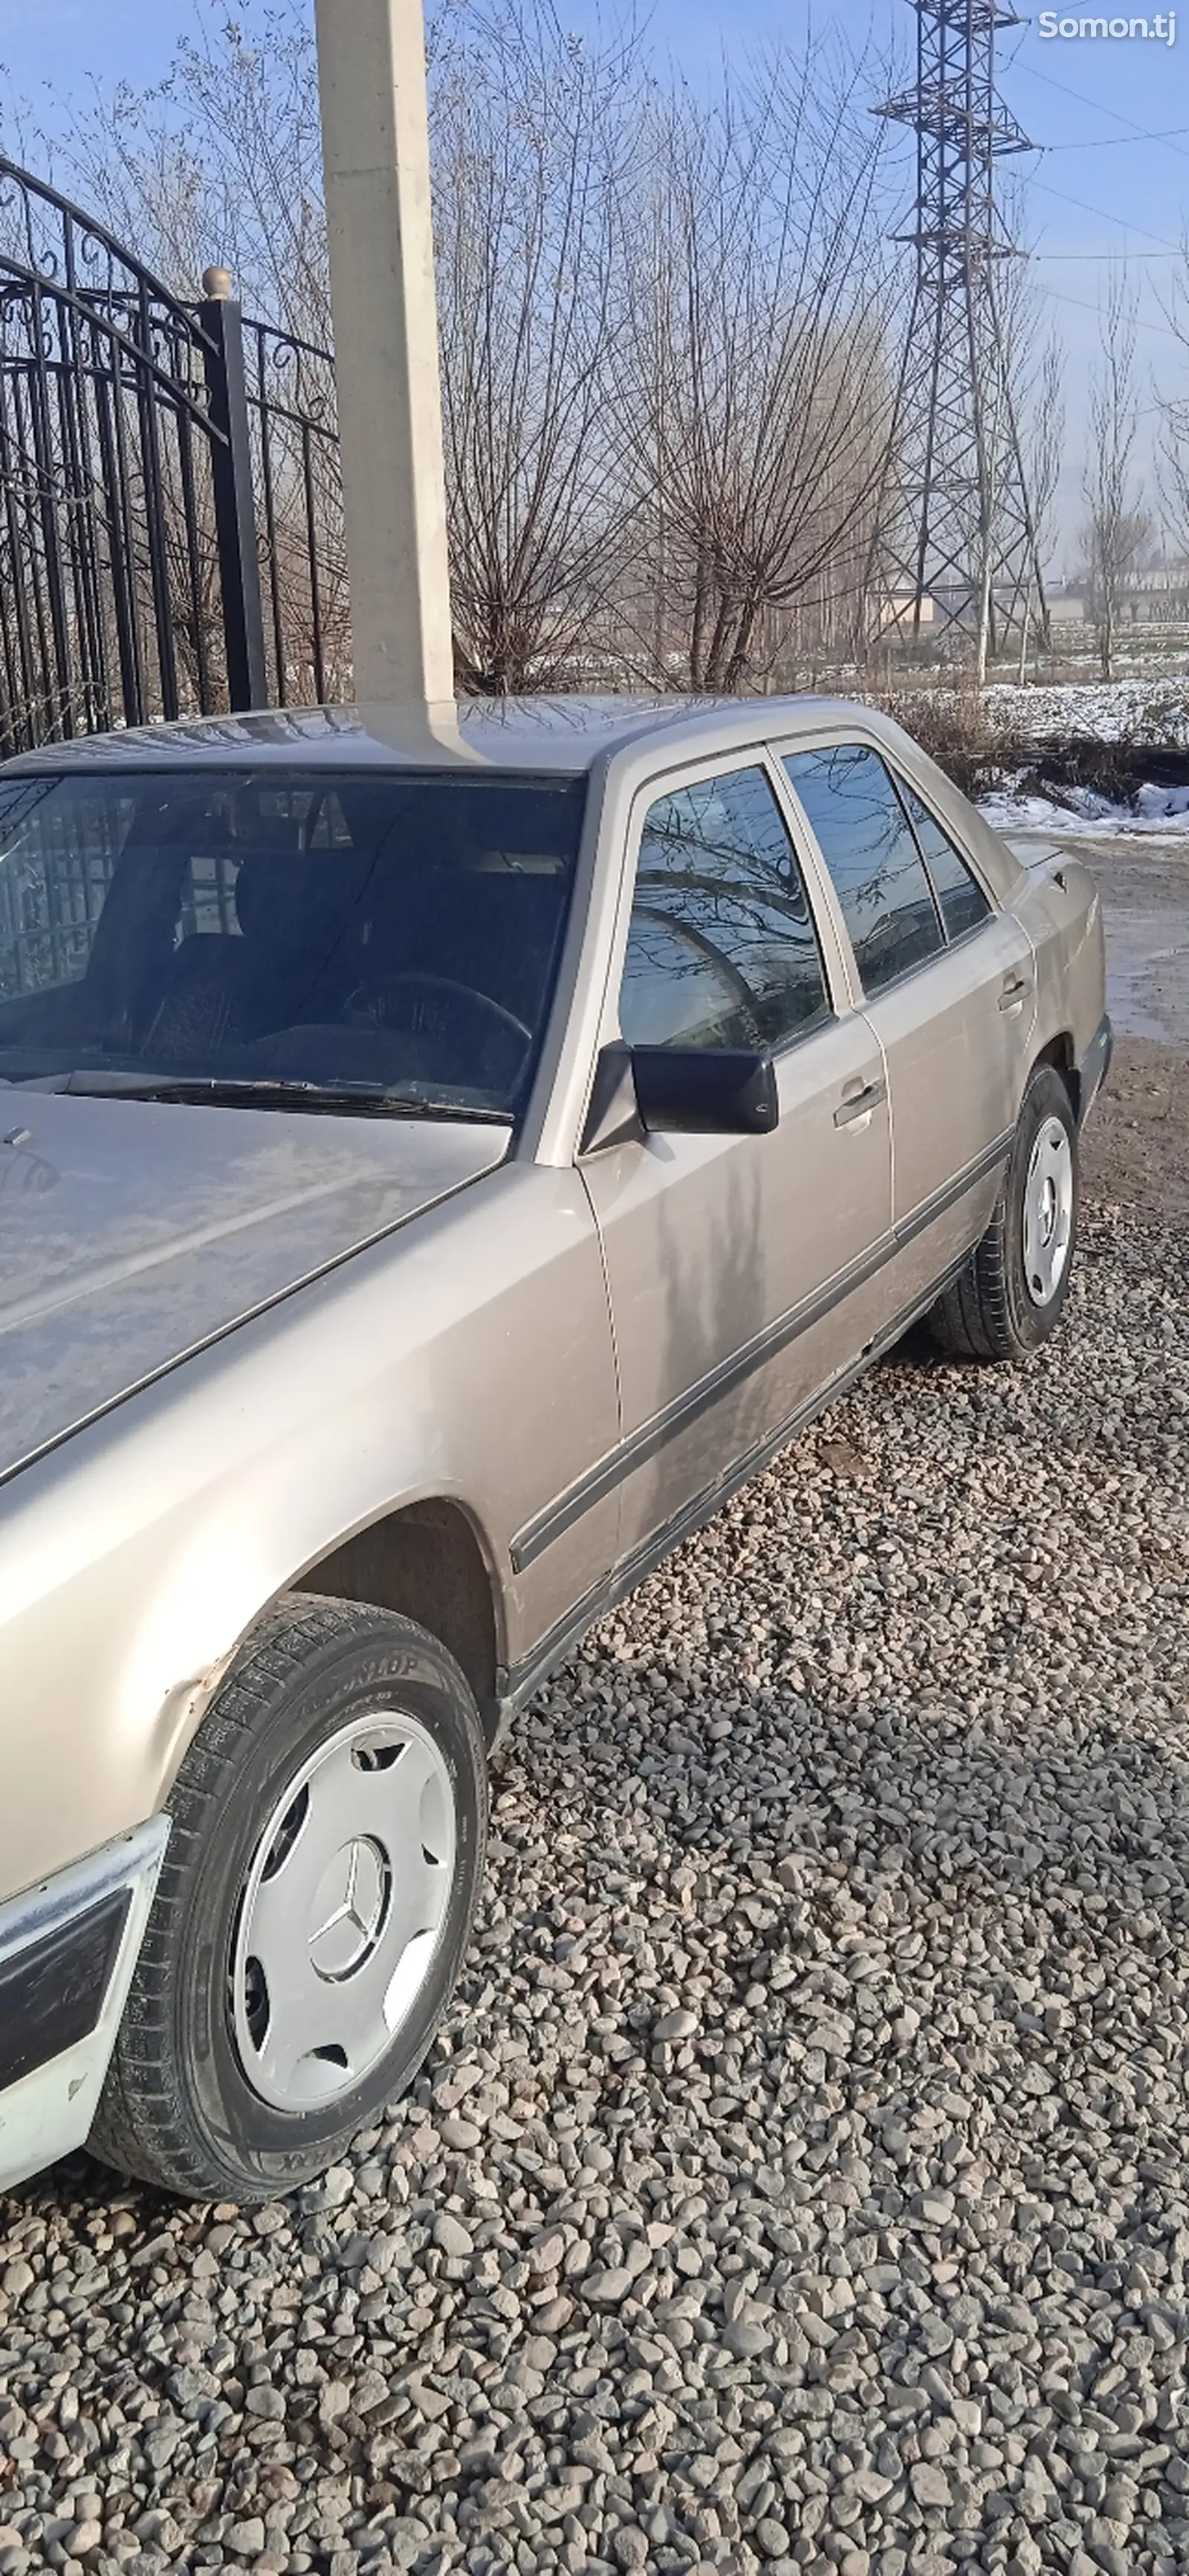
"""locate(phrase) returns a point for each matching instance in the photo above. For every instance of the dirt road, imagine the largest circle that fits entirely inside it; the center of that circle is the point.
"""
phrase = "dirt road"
(1145, 903)
(1137, 1143)
(1136, 1151)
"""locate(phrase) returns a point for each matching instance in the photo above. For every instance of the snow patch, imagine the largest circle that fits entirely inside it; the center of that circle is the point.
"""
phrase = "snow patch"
(1082, 814)
(1148, 710)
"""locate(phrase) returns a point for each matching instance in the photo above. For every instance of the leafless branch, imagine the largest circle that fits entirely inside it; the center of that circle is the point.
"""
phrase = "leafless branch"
(1117, 526)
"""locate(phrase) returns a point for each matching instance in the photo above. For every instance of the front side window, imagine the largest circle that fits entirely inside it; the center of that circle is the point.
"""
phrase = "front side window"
(865, 838)
(722, 949)
(337, 931)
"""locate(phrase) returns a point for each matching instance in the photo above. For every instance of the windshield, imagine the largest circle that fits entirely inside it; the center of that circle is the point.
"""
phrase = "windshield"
(246, 932)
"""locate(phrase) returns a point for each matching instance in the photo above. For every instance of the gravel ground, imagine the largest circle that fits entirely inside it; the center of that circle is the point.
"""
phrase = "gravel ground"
(800, 2183)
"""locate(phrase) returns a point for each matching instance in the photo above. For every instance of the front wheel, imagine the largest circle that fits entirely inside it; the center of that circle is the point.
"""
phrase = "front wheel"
(313, 1909)
(1010, 1294)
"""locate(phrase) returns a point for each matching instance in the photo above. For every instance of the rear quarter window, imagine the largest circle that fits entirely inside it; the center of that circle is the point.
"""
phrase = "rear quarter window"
(959, 894)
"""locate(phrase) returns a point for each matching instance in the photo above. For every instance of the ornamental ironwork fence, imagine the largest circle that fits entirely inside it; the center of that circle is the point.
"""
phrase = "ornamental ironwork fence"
(171, 536)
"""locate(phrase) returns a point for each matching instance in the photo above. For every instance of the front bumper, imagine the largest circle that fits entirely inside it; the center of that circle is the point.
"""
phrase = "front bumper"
(1094, 1067)
(67, 1952)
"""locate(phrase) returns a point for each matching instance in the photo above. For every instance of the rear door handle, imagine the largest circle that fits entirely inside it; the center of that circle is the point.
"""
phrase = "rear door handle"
(859, 1104)
(1014, 989)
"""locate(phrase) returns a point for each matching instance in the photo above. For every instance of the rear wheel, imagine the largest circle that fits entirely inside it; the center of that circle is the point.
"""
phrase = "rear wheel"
(1010, 1294)
(313, 1909)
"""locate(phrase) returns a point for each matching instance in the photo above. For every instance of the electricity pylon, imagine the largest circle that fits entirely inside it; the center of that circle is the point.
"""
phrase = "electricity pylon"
(958, 527)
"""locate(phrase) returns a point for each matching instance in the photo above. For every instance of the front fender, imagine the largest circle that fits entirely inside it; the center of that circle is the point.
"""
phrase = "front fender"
(135, 1558)
(120, 1624)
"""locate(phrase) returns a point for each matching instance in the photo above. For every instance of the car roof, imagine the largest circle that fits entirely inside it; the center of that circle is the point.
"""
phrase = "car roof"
(564, 734)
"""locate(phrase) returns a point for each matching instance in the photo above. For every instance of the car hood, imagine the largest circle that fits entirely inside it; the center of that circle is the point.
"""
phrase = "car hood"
(134, 1232)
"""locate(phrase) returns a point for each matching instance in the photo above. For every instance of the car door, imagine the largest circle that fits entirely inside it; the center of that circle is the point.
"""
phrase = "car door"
(737, 1266)
(947, 984)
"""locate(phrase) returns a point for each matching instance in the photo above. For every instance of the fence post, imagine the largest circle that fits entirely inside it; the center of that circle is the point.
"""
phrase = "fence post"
(235, 504)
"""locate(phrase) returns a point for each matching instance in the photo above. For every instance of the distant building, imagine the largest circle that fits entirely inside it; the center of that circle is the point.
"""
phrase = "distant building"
(896, 612)
(1159, 597)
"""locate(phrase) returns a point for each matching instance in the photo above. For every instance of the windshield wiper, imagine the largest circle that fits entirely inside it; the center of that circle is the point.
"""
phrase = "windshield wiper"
(265, 1091)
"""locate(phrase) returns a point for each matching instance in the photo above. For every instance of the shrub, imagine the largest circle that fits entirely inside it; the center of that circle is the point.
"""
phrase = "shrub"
(951, 725)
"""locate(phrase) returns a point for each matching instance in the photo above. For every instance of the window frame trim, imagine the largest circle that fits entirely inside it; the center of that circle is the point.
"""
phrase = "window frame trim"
(693, 773)
(903, 786)
(858, 741)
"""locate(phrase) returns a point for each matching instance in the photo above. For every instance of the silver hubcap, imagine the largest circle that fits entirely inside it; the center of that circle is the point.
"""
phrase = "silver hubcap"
(1048, 1211)
(342, 1910)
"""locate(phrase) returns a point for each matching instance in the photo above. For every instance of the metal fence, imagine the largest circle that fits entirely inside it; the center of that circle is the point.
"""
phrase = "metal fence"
(298, 501)
(170, 505)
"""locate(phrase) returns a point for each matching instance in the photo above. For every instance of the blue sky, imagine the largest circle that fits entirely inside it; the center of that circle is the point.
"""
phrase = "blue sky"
(1111, 180)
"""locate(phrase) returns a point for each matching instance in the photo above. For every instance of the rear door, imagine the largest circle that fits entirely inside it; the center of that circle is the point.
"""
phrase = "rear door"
(736, 1265)
(947, 981)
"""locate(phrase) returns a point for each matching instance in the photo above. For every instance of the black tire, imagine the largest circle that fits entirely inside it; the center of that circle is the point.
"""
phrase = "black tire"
(990, 1312)
(178, 2108)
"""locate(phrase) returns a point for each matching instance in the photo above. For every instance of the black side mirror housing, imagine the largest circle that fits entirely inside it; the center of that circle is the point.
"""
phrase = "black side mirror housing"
(706, 1091)
(673, 1090)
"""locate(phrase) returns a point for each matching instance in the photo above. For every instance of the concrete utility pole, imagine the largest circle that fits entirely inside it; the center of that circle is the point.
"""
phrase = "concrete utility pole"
(375, 150)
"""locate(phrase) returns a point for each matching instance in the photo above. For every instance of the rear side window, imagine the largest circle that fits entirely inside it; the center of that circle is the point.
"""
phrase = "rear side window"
(963, 903)
(866, 841)
(722, 949)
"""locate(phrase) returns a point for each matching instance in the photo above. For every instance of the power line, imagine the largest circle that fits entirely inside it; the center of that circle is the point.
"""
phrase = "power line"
(1101, 110)
(1060, 297)
(1144, 255)
(1103, 217)
(1115, 142)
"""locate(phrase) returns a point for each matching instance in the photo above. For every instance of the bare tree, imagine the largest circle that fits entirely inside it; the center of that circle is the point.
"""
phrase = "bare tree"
(666, 380)
(533, 131)
(753, 370)
(1173, 450)
(1117, 527)
(1043, 460)
(1018, 420)
(219, 162)
(1032, 420)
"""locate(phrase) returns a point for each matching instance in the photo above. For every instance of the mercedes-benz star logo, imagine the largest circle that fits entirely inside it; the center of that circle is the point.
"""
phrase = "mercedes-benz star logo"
(348, 1908)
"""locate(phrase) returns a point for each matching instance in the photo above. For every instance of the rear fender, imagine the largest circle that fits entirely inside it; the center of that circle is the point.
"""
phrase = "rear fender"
(1060, 911)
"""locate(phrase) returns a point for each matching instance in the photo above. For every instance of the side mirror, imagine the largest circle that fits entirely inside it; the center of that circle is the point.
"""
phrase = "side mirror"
(672, 1090)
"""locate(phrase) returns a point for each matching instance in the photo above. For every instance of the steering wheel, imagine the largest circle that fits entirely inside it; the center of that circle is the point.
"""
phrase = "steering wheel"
(412, 979)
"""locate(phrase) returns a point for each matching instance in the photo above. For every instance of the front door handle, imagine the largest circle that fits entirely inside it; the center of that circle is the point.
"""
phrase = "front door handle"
(1014, 989)
(859, 1103)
